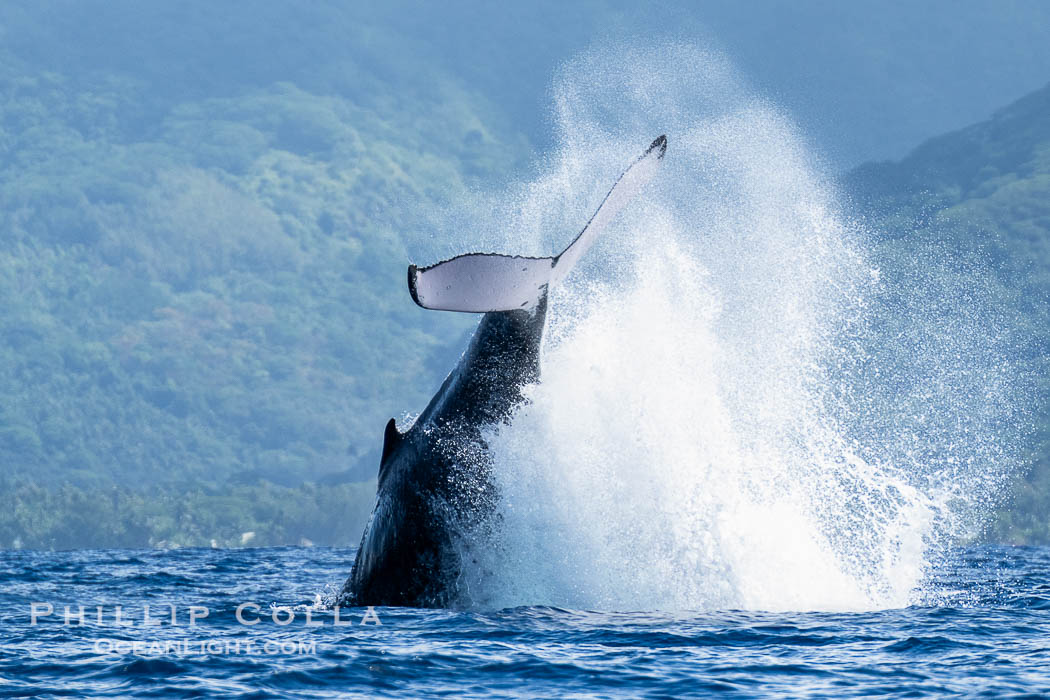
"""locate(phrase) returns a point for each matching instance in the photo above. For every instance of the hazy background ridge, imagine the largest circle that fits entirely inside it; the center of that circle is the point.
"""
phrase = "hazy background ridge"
(205, 214)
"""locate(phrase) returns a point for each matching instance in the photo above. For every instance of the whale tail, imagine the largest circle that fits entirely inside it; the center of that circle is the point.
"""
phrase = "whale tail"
(482, 282)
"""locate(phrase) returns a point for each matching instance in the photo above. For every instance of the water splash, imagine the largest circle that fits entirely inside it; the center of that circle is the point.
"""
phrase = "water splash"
(743, 404)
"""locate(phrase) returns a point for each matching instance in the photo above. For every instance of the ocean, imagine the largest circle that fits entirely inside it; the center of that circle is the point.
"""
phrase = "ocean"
(979, 624)
(761, 425)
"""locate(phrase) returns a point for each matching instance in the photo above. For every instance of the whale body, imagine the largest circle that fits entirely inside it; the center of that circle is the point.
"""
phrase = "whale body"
(435, 497)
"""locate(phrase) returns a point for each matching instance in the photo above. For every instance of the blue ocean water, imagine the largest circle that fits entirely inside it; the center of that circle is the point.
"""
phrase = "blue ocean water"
(983, 629)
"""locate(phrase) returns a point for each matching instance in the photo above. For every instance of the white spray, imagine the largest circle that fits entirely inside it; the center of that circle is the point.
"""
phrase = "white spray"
(722, 422)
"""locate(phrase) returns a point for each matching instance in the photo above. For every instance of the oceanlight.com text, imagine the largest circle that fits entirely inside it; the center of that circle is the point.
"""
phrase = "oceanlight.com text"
(205, 647)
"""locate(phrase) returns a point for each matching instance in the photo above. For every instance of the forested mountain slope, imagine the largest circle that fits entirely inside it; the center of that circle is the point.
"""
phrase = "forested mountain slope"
(206, 211)
(985, 191)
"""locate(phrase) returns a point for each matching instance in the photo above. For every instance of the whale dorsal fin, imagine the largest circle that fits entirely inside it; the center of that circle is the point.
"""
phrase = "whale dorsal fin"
(391, 439)
(481, 282)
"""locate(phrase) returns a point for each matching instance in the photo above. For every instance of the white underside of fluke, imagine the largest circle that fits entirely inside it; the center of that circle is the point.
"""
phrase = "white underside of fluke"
(482, 282)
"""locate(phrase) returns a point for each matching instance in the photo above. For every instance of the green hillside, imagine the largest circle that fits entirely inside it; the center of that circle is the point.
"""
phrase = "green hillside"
(202, 267)
(985, 190)
(229, 267)
(206, 211)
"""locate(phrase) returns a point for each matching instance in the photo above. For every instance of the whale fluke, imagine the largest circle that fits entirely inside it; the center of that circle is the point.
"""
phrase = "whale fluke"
(483, 282)
(435, 492)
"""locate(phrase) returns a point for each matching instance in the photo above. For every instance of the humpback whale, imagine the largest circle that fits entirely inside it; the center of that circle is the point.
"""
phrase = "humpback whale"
(435, 492)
